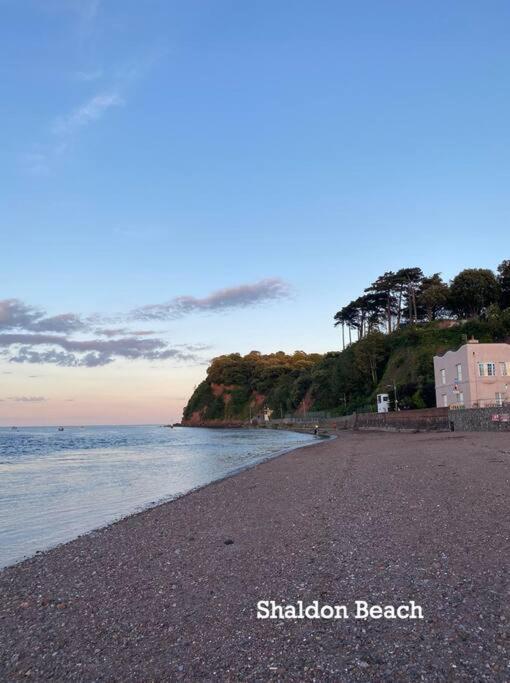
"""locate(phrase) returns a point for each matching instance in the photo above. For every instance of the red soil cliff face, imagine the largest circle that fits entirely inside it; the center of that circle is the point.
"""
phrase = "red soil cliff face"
(196, 418)
(305, 404)
(224, 391)
(220, 389)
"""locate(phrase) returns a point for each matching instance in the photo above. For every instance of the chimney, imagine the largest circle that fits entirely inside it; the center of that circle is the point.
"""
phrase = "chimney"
(473, 340)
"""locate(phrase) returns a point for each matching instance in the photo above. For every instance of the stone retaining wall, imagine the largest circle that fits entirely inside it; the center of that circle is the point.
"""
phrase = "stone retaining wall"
(495, 419)
(429, 419)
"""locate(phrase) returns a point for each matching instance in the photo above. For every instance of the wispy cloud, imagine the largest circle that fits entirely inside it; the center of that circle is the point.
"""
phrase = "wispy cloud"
(14, 314)
(87, 352)
(90, 111)
(241, 296)
(27, 399)
(85, 10)
(41, 159)
(29, 335)
(88, 76)
(120, 331)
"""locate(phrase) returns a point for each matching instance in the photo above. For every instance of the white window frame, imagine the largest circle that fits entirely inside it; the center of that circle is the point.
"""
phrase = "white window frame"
(442, 373)
(458, 368)
(499, 398)
(481, 369)
(445, 400)
(504, 367)
(491, 369)
(461, 398)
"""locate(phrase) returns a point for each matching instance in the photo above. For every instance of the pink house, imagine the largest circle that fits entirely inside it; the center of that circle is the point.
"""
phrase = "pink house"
(476, 375)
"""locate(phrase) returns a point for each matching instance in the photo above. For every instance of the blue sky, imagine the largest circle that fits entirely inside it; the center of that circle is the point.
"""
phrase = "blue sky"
(165, 149)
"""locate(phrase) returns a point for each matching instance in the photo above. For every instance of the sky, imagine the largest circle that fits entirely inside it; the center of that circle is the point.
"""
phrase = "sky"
(185, 179)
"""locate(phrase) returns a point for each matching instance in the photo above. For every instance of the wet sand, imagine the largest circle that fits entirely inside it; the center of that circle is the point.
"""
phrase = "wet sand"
(171, 593)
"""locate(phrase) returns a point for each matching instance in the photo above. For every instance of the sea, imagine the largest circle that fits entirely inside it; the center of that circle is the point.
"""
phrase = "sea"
(56, 485)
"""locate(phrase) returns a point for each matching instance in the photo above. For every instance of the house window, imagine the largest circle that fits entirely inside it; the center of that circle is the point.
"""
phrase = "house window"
(443, 376)
(481, 369)
(499, 398)
(505, 368)
(459, 372)
(461, 398)
(491, 369)
(445, 400)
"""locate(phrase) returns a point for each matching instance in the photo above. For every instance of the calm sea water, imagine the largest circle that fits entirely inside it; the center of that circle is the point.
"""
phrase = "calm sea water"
(55, 485)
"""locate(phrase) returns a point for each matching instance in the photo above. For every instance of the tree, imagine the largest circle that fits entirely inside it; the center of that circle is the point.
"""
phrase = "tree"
(504, 283)
(384, 288)
(362, 315)
(432, 297)
(409, 280)
(349, 316)
(472, 291)
(368, 354)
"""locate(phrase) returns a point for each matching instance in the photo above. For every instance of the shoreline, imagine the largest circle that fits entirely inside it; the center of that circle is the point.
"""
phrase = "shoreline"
(170, 593)
(164, 500)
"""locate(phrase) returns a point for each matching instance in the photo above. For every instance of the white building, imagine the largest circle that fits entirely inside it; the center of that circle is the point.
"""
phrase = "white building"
(383, 403)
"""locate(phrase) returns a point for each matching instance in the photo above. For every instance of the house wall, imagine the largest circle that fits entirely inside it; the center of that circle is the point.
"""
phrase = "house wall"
(477, 390)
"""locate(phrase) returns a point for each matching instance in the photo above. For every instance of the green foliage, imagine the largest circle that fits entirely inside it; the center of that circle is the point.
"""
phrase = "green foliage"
(472, 291)
(234, 383)
(409, 297)
(202, 396)
(340, 382)
(504, 283)
(432, 297)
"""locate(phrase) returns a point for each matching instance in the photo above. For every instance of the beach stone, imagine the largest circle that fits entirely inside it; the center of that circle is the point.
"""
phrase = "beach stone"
(367, 516)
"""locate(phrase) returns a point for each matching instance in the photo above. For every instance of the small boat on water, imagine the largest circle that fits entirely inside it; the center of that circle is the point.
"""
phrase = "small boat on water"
(60, 429)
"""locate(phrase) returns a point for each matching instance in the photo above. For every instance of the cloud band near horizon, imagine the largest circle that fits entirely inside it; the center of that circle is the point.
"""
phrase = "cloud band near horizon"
(29, 335)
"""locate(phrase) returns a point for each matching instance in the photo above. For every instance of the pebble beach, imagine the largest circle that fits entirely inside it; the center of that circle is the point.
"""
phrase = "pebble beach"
(171, 593)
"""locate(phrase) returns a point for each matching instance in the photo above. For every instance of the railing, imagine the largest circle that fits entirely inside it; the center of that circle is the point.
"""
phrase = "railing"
(491, 403)
(311, 415)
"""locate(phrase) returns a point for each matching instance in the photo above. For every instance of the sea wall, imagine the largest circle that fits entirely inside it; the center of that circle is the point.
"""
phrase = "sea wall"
(326, 426)
(428, 419)
(495, 419)
(216, 424)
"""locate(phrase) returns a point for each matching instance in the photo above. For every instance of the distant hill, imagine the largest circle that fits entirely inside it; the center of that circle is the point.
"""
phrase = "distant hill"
(239, 387)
